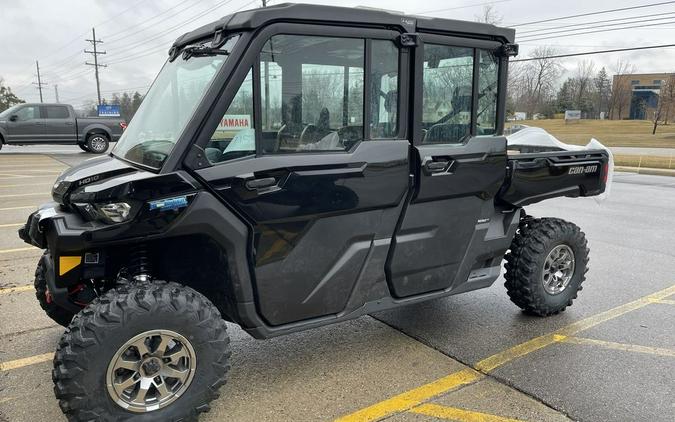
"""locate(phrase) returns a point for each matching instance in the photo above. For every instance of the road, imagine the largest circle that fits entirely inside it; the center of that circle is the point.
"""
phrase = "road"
(610, 357)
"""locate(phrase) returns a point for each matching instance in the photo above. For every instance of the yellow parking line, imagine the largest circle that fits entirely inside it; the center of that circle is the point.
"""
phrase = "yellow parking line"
(11, 225)
(20, 363)
(32, 207)
(456, 414)
(499, 359)
(30, 248)
(616, 346)
(412, 398)
(423, 393)
(19, 289)
(664, 301)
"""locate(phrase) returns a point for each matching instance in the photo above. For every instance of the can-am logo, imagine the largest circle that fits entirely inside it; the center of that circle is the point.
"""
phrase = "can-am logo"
(583, 170)
(88, 180)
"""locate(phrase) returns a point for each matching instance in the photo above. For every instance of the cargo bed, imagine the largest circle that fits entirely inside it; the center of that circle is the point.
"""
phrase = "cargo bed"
(535, 176)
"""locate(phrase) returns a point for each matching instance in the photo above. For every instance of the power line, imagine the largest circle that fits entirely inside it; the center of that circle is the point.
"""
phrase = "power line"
(462, 7)
(622, 9)
(95, 53)
(600, 30)
(173, 28)
(588, 53)
(595, 22)
(562, 31)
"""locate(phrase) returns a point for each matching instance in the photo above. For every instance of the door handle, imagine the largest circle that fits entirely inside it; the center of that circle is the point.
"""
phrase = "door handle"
(69, 123)
(260, 183)
(438, 166)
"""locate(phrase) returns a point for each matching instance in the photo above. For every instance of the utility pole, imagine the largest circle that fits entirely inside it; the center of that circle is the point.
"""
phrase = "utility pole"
(264, 3)
(39, 84)
(56, 93)
(95, 53)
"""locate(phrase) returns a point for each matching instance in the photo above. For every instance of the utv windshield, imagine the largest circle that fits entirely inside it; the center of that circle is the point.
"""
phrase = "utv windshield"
(170, 103)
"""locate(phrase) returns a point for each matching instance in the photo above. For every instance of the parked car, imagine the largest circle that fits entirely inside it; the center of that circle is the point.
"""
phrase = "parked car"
(292, 167)
(25, 124)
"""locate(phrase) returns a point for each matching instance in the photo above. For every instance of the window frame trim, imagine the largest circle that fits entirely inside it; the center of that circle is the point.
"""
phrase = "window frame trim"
(418, 68)
(232, 75)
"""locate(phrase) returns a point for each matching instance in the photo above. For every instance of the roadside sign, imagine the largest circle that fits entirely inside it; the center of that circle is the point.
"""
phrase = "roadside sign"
(572, 116)
(109, 110)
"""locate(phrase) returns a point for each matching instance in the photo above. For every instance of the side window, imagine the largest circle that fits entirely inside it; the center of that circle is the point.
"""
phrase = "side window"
(488, 78)
(27, 113)
(56, 112)
(235, 136)
(384, 90)
(312, 93)
(447, 92)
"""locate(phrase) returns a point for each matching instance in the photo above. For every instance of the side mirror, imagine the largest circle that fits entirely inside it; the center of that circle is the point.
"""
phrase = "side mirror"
(13, 118)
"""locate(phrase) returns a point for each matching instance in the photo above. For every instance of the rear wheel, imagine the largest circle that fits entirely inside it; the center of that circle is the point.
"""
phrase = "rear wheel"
(97, 143)
(59, 315)
(152, 351)
(547, 263)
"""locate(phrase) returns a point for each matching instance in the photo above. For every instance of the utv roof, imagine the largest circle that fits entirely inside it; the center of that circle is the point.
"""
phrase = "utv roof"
(316, 14)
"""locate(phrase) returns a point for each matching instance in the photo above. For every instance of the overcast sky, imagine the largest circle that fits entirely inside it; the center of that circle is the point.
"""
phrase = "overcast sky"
(138, 34)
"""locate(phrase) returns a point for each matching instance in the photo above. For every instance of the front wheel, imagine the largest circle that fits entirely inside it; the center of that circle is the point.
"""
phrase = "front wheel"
(547, 263)
(83, 147)
(151, 351)
(97, 143)
(60, 315)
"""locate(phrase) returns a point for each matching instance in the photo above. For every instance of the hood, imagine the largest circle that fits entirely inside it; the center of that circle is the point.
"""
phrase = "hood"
(90, 171)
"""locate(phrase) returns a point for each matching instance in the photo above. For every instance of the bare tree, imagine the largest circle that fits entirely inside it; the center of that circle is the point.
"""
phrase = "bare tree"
(621, 88)
(489, 15)
(584, 77)
(667, 95)
(532, 84)
(665, 103)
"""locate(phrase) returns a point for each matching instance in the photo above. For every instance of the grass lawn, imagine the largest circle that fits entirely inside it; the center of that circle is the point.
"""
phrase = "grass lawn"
(612, 133)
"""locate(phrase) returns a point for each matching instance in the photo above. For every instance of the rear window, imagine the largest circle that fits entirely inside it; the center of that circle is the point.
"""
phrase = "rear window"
(56, 112)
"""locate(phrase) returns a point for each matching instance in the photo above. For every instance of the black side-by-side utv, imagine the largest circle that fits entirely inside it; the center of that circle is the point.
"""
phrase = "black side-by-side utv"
(292, 167)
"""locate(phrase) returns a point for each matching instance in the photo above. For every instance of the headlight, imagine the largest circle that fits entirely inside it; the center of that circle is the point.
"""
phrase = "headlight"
(115, 212)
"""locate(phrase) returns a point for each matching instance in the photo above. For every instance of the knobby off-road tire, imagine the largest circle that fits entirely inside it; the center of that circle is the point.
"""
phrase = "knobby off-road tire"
(59, 315)
(539, 278)
(92, 344)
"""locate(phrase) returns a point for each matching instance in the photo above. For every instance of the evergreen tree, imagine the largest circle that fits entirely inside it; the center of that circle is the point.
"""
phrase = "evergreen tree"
(7, 97)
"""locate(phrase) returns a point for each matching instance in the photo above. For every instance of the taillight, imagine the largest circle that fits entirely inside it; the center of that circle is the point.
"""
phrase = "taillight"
(605, 173)
(123, 125)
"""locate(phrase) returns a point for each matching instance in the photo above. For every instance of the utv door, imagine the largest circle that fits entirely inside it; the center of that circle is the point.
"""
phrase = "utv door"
(459, 166)
(309, 153)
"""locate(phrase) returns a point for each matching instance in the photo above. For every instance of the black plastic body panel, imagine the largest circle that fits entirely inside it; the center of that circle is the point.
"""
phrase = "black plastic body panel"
(534, 177)
(313, 227)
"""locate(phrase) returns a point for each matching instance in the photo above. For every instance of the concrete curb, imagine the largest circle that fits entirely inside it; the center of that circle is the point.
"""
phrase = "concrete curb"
(644, 170)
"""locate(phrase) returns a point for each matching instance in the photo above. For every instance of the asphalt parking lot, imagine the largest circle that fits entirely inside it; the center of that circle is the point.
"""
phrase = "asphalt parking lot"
(471, 357)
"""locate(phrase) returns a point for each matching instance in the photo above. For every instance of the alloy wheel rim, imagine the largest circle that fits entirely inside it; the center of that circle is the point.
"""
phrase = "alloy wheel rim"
(97, 143)
(151, 371)
(558, 269)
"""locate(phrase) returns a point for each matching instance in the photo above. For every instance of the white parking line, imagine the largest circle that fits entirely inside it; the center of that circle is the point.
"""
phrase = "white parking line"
(15, 195)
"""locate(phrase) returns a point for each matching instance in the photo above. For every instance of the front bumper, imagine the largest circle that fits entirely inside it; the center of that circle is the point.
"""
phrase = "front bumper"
(50, 227)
